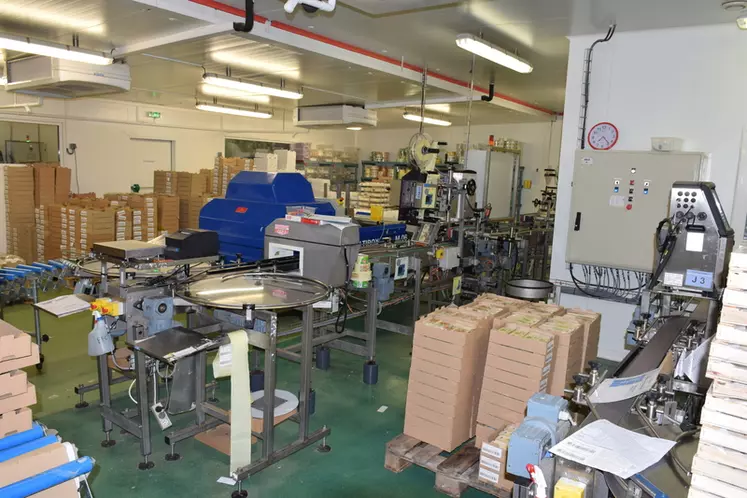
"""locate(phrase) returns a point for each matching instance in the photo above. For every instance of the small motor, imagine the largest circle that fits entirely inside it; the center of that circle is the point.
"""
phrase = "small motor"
(159, 311)
(546, 424)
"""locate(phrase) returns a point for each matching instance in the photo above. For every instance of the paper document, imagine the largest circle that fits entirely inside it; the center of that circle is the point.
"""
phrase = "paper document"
(610, 448)
(620, 388)
(693, 364)
(64, 305)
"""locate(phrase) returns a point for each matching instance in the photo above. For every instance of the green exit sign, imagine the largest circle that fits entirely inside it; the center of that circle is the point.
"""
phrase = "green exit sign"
(154, 114)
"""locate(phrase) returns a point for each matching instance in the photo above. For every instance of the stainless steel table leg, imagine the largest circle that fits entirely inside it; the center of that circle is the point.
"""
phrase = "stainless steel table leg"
(417, 264)
(143, 409)
(270, 373)
(307, 337)
(105, 397)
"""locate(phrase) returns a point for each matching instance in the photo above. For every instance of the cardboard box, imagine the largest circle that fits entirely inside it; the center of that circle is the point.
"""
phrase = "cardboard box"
(165, 182)
(35, 462)
(485, 433)
(44, 184)
(500, 400)
(446, 438)
(493, 460)
(515, 393)
(547, 309)
(168, 213)
(525, 318)
(436, 371)
(13, 383)
(523, 339)
(14, 343)
(15, 421)
(63, 177)
(533, 383)
(493, 415)
(22, 362)
(23, 400)
(190, 184)
(592, 329)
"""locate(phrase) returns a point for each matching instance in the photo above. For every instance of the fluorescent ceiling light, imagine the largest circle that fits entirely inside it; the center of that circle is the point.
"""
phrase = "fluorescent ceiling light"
(55, 50)
(355, 128)
(493, 53)
(76, 18)
(217, 91)
(237, 84)
(234, 111)
(416, 117)
(282, 66)
(442, 108)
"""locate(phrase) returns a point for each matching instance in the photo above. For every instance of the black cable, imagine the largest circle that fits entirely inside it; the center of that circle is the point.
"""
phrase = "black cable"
(587, 81)
(600, 286)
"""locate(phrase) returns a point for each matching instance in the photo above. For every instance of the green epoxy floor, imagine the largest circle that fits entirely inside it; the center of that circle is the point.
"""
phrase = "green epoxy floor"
(354, 467)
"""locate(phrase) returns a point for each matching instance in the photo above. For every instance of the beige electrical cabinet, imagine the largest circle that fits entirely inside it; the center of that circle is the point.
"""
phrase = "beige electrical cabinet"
(618, 199)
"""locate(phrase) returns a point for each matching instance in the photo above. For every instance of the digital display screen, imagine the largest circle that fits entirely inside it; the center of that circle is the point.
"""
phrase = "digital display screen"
(699, 279)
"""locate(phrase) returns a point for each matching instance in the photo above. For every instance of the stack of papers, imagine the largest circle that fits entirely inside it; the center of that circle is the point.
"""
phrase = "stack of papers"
(64, 305)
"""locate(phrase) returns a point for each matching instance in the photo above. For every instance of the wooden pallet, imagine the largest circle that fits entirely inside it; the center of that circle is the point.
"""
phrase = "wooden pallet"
(455, 472)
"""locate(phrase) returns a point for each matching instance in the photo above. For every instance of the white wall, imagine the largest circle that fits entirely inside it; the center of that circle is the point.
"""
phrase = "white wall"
(688, 83)
(103, 129)
(537, 153)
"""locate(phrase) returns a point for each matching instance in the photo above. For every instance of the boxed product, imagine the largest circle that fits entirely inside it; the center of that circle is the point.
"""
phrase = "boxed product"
(168, 213)
(123, 223)
(519, 364)
(44, 184)
(190, 184)
(165, 182)
(525, 318)
(189, 211)
(493, 459)
(15, 421)
(592, 329)
(447, 358)
(569, 338)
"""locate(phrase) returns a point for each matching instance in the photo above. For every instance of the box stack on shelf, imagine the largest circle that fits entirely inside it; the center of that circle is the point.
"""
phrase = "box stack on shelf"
(16, 393)
(720, 464)
(373, 193)
(165, 182)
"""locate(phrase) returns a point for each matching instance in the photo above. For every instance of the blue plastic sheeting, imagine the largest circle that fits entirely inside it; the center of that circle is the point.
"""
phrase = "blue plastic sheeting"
(36, 432)
(255, 199)
(21, 449)
(48, 479)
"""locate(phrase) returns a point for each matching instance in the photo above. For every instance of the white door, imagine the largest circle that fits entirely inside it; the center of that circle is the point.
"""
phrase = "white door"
(150, 155)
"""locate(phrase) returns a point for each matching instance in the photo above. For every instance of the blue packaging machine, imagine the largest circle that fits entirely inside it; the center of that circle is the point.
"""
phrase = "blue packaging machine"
(255, 199)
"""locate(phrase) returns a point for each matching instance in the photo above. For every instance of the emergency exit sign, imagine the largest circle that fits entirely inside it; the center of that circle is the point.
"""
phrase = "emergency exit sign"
(153, 114)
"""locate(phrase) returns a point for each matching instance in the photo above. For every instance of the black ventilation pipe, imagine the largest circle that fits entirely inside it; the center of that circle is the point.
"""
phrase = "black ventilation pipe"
(489, 96)
(248, 24)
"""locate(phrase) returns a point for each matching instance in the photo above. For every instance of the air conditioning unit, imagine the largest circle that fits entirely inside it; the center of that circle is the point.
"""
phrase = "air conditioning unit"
(62, 79)
(334, 116)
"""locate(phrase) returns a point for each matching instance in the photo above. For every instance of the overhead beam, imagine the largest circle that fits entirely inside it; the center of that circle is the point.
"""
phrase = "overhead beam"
(180, 36)
(391, 104)
(217, 12)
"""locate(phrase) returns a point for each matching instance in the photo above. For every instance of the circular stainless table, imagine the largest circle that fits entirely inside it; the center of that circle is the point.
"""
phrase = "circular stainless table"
(92, 268)
(530, 289)
(266, 291)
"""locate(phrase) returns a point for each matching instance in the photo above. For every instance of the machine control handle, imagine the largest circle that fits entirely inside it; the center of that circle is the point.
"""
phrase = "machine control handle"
(594, 365)
(579, 380)
(577, 223)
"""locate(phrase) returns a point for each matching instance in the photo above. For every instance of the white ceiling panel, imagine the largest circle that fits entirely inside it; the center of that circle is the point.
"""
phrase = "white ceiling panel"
(383, 7)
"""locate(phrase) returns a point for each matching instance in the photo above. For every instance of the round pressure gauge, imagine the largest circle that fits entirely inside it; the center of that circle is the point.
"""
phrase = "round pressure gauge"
(603, 136)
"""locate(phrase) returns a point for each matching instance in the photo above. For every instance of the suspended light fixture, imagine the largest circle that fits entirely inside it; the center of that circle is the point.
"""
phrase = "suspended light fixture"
(493, 53)
(245, 86)
(355, 128)
(235, 111)
(219, 91)
(54, 50)
(425, 119)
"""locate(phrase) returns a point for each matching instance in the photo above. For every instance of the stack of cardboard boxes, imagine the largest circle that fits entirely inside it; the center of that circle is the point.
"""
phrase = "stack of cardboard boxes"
(165, 182)
(168, 214)
(19, 209)
(122, 222)
(519, 364)
(444, 387)
(494, 458)
(96, 225)
(719, 468)
(224, 169)
(16, 393)
(144, 216)
(189, 210)
(474, 369)
(73, 232)
(53, 241)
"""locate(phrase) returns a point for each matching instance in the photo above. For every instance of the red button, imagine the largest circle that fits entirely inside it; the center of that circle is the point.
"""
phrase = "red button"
(632, 182)
(629, 207)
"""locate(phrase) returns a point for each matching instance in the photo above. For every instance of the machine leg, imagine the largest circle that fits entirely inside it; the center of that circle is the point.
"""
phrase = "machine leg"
(144, 409)
(370, 368)
(173, 456)
(256, 374)
(239, 493)
(200, 376)
(322, 358)
(37, 323)
(416, 263)
(268, 419)
(324, 447)
(307, 339)
(83, 403)
(370, 373)
(105, 398)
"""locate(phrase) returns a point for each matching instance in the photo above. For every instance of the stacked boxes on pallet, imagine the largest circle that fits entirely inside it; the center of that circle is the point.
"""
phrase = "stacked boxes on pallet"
(96, 225)
(475, 367)
(165, 182)
(144, 216)
(720, 464)
(19, 208)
